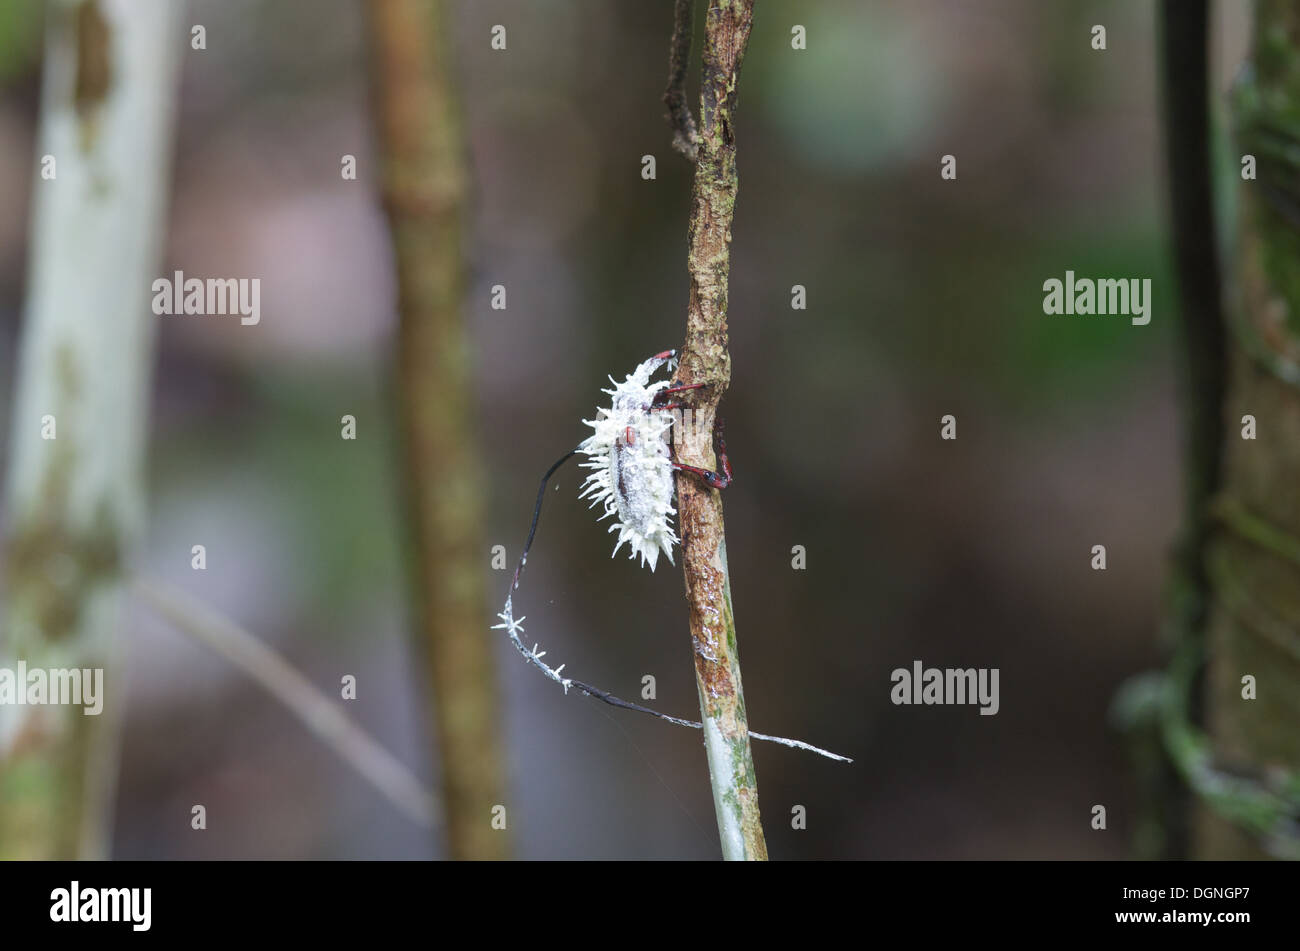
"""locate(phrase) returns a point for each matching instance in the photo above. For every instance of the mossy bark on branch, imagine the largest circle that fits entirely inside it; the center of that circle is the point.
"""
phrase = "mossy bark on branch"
(75, 493)
(705, 359)
(424, 192)
(1254, 619)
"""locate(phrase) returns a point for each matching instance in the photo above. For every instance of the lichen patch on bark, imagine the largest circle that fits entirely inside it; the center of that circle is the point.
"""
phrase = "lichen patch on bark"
(94, 69)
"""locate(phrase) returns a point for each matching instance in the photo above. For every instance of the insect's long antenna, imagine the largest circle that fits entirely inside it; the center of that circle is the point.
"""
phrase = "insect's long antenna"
(514, 627)
(537, 513)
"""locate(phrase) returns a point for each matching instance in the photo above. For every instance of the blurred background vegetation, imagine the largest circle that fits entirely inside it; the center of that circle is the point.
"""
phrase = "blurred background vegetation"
(924, 298)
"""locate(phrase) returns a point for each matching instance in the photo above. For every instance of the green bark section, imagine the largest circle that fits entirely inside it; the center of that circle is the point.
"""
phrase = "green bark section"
(1253, 557)
(705, 359)
(63, 562)
(63, 583)
(424, 189)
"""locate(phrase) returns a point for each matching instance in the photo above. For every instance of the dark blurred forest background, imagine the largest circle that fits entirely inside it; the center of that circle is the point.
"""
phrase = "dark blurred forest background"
(923, 298)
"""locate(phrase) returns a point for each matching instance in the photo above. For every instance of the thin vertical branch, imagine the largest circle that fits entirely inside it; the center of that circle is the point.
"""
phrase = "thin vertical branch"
(705, 360)
(75, 487)
(686, 138)
(424, 191)
(1186, 101)
(1185, 98)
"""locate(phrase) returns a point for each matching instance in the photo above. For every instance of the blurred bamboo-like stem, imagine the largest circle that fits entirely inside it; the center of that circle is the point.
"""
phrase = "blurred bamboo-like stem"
(75, 488)
(424, 183)
(705, 359)
(1186, 107)
(1252, 553)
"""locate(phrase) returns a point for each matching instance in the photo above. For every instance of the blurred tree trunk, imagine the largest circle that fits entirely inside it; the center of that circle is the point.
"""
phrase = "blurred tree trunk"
(1253, 555)
(424, 189)
(76, 501)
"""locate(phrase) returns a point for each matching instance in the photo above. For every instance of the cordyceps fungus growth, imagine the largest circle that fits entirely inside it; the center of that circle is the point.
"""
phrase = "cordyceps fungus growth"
(630, 455)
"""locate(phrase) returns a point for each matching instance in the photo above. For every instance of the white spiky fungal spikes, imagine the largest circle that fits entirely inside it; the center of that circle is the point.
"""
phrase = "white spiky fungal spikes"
(632, 473)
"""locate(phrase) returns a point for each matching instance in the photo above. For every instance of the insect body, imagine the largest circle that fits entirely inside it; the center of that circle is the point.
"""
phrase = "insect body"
(632, 472)
(632, 467)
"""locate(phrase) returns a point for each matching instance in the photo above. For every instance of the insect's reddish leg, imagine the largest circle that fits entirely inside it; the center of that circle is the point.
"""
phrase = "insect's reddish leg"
(681, 386)
(716, 480)
(673, 389)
